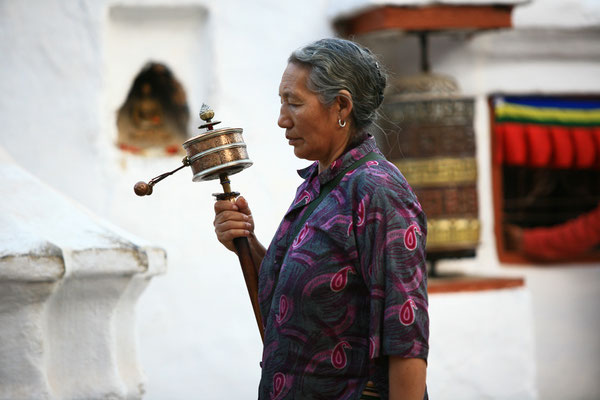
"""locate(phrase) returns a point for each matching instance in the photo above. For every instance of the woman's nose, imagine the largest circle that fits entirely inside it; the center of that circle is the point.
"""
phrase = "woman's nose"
(284, 120)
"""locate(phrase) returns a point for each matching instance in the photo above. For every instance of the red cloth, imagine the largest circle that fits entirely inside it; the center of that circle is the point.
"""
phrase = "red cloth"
(563, 147)
(546, 146)
(596, 136)
(539, 145)
(566, 240)
(514, 144)
(585, 147)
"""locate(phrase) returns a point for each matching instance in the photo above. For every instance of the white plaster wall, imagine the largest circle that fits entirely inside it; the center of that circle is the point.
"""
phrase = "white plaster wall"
(62, 69)
(482, 345)
(50, 85)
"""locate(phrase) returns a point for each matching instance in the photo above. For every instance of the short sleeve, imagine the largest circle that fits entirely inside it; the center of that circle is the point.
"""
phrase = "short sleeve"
(391, 234)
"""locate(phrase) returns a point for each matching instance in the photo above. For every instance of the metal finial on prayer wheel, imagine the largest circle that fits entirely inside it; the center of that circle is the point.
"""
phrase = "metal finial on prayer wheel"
(206, 113)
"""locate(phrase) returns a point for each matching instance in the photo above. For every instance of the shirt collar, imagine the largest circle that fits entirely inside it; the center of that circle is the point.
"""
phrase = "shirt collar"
(367, 145)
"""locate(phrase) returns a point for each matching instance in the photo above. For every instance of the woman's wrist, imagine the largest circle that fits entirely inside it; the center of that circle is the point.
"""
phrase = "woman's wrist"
(257, 249)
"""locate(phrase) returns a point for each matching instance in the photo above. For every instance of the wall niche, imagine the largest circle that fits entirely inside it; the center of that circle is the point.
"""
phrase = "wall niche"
(157, 67)
(155, 114)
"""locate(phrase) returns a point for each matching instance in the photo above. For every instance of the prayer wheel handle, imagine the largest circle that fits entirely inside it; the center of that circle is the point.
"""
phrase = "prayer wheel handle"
(145, 189)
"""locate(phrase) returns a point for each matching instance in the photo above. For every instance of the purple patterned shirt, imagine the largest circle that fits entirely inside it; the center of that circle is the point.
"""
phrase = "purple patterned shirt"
(350, 290)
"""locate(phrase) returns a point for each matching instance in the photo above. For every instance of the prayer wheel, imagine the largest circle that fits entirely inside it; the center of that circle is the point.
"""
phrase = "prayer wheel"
(429, 135)
(218, 153)
(214, 153)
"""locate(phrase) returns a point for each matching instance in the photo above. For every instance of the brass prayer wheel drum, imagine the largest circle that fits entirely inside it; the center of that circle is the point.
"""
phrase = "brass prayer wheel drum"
(216, 152)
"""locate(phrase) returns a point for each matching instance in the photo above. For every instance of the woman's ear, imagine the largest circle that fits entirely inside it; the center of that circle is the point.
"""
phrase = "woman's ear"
(344, 104)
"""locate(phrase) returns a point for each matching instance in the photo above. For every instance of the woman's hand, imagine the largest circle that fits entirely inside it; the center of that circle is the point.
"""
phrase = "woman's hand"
(233, 220)
(513, 237)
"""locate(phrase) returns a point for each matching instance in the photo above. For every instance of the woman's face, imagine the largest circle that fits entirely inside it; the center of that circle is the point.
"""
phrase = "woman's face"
(310, 127)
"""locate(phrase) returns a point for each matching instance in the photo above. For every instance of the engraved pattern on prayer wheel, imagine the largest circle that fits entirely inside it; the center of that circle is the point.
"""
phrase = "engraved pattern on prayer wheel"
(216, 152)
(430, 137)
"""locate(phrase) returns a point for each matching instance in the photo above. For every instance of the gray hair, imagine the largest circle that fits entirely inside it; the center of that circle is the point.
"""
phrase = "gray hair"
(337, 64)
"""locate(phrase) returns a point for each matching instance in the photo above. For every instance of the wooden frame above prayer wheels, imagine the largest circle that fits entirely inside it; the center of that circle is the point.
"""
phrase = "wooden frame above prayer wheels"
(427, 18)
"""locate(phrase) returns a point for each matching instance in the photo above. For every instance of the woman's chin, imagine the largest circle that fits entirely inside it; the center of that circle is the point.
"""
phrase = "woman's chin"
(299, 153)
(304, 155)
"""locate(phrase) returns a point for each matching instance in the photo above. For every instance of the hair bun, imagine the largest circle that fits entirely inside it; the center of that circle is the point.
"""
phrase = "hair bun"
(381, 97)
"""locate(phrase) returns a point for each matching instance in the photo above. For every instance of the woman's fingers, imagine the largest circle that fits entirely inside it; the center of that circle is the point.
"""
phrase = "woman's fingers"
(226, 237)
(225, 216)
(232, 220)
(225, 205)
(232, 225)
(242, 205)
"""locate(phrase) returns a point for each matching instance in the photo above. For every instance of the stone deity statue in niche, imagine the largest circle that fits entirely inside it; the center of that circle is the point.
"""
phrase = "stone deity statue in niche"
(155, 115)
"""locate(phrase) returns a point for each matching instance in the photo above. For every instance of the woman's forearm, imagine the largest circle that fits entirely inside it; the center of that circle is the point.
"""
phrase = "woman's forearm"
(257, 249)
(407, 378)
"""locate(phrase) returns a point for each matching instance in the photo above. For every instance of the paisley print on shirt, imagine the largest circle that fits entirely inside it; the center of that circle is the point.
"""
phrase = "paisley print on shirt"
(361, 213)
(340, 279)
(281, 385)
(407, 312)
(302, 236)
(285, 310)
(338, 355)
(304, 198)
(410, 237)
(373, 347)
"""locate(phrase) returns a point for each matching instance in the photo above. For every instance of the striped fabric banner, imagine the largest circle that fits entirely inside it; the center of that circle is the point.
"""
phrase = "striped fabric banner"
(547, 132)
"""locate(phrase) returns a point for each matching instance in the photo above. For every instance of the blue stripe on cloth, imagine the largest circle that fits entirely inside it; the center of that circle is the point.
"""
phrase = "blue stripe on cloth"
(552, 102)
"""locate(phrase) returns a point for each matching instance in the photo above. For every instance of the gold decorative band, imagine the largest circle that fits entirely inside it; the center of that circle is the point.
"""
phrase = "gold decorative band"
(438, 171)
(452, 233)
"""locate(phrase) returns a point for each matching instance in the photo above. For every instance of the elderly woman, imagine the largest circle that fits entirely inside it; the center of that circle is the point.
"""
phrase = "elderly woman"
(342, 286)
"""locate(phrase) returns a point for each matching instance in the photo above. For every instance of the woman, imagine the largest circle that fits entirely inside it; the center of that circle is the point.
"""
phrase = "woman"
(342, 294)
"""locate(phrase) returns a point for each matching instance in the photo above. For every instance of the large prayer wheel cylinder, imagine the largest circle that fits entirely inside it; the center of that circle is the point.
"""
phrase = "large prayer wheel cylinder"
(429, 135)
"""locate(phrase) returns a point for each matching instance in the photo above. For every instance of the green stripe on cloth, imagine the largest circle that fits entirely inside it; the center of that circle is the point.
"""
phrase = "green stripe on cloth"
(506, 112)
